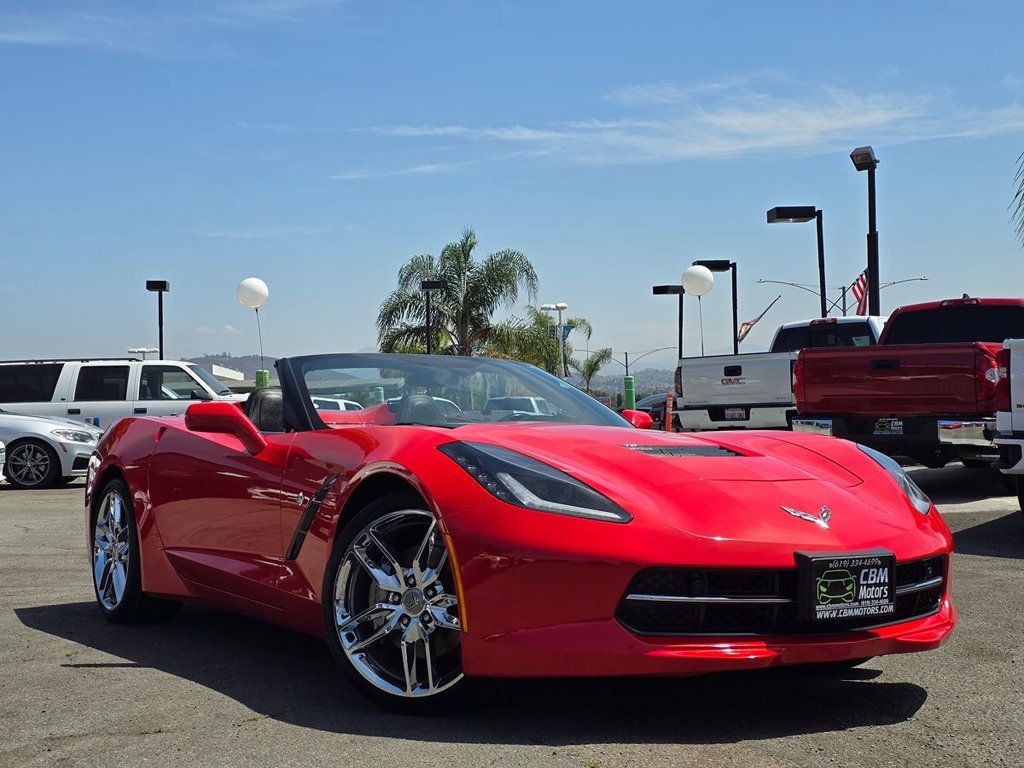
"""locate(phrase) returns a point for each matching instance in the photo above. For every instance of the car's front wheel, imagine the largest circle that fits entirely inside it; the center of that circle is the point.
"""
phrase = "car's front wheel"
(31, 464)
(390, 608)
(116, 568)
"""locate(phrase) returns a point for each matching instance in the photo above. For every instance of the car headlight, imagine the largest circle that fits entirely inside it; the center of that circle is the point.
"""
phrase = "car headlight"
(916, 496)
(525, 482)
(74, 436)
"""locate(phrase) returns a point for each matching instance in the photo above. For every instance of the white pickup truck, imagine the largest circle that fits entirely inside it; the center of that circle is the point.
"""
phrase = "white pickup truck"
(1010, 413)
(99, 392)
(755, 390)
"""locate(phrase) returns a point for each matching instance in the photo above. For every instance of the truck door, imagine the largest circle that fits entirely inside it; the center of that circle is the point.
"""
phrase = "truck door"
(166, 389)
(101, 393)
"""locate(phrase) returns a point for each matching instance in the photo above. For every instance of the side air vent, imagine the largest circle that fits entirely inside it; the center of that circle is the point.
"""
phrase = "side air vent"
(682, 450)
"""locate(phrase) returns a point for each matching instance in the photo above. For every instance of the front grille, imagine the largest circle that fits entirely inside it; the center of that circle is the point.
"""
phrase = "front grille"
(754, 601)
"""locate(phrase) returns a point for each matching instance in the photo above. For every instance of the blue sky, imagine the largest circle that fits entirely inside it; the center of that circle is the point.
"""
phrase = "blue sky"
(319, 144)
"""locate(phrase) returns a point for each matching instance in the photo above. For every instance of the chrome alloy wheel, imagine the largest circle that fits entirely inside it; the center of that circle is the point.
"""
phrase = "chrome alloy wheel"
(110, 551)
(395, 617)
(28, 464)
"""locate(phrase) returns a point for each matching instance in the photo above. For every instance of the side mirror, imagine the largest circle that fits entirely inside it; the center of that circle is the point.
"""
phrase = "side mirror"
(638, 419)
(200, 394)
(228, 419)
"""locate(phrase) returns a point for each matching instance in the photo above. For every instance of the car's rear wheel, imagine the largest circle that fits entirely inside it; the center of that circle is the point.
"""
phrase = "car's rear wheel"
(31, 464)
(116, 568)
(390, 607)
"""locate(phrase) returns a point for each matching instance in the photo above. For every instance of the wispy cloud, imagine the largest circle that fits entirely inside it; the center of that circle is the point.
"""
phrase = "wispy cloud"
(725, 119)
(226, 330)
(171, 31)
(257, 233)
(412, 170)
(673, 93)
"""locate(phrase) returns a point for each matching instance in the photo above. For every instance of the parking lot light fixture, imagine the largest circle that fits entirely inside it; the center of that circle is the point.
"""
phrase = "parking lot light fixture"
(428, 287)
(159, 287)
(673, 290)
(788, 214)
(559, 307)
(864, 159)
(724, 265)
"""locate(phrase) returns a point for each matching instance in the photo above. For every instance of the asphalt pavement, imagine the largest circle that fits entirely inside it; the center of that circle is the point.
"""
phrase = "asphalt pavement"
(213, 689)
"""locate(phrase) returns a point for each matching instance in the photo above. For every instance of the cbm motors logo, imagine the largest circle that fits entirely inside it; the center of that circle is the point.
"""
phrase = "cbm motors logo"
(837, 586)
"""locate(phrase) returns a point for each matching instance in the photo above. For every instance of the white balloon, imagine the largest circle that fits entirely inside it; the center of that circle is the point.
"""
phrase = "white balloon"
(252, 293)
(698, 280)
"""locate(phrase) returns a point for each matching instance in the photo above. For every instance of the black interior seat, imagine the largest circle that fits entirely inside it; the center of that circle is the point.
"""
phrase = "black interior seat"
(265, 409)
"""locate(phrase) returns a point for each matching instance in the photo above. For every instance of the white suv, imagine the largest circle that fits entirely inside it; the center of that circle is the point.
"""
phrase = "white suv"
(99, 392)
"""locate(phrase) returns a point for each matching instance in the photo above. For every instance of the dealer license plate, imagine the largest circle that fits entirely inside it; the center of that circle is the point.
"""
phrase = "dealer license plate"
(888, 427)
(859, 585)
(735, 414)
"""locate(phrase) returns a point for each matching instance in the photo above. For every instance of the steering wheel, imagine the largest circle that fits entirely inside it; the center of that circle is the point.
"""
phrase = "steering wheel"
(419, 409)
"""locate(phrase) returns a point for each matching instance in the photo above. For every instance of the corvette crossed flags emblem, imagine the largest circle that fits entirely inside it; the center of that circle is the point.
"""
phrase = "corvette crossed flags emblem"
(821, 519)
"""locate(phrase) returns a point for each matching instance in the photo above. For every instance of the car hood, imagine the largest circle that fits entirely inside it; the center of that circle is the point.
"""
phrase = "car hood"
(733, 487)
(20, 421)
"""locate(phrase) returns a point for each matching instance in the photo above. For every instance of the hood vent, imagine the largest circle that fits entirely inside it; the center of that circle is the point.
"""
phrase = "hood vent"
(682, 450)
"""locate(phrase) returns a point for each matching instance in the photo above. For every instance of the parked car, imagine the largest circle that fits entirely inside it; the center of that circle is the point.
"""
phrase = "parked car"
(100, 392)
(428, 549)
(1010, 414)
(42, 452)
(755, 390)
(927, 391)
(334, 404)
(519, 404)
(3, 459)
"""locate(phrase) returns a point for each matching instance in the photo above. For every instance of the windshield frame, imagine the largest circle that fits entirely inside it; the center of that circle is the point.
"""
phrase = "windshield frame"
(208, 378)
(301, 415)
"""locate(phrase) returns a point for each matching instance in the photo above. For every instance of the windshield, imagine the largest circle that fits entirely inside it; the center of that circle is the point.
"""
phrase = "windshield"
(444, 391)
(210, 380)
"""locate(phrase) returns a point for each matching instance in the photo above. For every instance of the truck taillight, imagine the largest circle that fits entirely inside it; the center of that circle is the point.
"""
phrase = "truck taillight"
(679, 381)
(797, 373)
(987, 375)
(1003, 384)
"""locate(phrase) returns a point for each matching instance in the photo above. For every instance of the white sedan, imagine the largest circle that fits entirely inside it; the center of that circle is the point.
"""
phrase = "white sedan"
(42, 452)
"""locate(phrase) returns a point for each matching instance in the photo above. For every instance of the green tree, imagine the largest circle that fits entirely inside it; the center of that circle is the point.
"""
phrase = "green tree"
(589, 368)
(533, 339)
(472, 290)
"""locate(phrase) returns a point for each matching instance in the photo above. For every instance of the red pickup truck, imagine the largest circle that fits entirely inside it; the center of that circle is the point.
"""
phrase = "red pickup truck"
(925, 391)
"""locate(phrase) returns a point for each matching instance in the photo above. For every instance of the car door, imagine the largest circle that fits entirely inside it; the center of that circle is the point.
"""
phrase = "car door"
(217, 511)
(100, 393)
(166, 389)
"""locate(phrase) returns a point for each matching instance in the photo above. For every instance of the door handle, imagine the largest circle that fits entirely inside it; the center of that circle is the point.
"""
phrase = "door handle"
(74, 411)
(140, 410)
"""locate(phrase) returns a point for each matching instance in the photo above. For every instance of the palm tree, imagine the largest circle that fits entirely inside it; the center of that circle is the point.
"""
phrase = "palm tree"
(588, 368)
(531, 340)
(1017, 205)
(470, 294)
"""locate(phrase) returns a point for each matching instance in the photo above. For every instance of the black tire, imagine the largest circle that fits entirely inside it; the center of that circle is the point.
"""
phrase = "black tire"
(1020, 492)
(134, 605)
(452, 697)
(977, 463)
(19, 477)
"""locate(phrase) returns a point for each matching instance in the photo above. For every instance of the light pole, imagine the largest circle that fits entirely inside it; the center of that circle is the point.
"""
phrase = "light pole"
(800, 213)
(674, 290)
(159, 287)
(560, 307)
(626, 364)
(428, 287)
(864, 160)
(724, 265)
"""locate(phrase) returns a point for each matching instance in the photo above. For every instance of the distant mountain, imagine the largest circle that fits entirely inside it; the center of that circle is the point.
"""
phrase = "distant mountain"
(246, 364)
(648, 381)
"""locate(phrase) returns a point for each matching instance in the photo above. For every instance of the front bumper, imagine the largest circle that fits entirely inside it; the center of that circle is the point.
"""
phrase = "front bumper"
(541, 595)
(606, 649)
(925, 431)
(74, 457)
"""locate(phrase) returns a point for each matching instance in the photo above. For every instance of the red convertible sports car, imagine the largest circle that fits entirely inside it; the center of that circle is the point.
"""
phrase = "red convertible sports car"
(444, 533)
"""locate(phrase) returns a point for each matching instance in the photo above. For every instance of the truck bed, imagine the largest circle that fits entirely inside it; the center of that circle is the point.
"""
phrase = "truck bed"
(891, 380)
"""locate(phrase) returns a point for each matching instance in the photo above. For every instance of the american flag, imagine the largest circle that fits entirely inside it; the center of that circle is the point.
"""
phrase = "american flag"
(860, 292)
